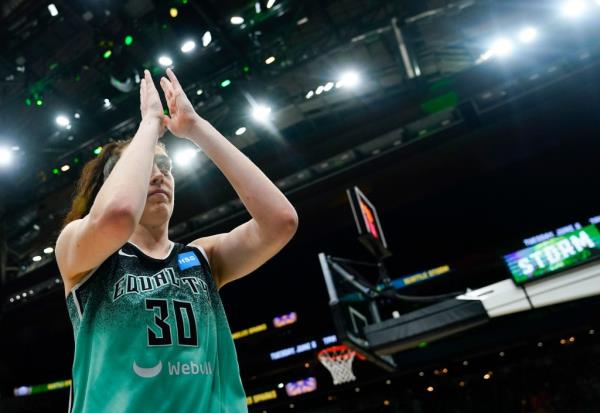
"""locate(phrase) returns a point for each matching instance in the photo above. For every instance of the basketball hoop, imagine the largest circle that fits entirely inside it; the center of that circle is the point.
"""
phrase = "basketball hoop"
(338, 360)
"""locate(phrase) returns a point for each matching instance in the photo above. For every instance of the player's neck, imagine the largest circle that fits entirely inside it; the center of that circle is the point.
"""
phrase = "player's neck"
(152, 240)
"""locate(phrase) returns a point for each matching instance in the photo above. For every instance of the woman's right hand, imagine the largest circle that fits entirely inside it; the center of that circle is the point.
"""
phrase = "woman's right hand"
(150, 104)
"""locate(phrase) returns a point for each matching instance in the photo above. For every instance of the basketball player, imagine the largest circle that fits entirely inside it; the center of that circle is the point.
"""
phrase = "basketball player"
(150, 331)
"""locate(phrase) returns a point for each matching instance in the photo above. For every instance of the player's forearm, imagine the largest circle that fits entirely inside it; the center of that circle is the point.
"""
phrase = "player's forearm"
(263, 200)
(126, 188)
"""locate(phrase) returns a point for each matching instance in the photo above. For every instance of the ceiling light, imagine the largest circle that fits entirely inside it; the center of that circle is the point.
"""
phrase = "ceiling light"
(107, 103)
(5, 157)
(65, 168)
(187, 47)
(128, 40)
(328, 86)
(206, 38)
(77, 115)
(302, 21)
(240, 131)
(173, 12)
(107, 54)
(35, 259)
(225, 83)
(165, 61)
(270, 60)
(573, 8)
(62, 121)
(310, 94)
(502, 47)
(349, 79)
(237, 20)
(528, 34)
(270, 3)
(261, 113)
(199, 92)
(257, 7)
(430, 389)
(184, 156)
(15, 148)
(319, 90)
(53, 10)
(48, 250)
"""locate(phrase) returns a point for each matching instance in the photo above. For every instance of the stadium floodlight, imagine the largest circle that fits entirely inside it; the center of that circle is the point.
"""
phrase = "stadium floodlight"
(48, 250)
(310, 94)
(348, 79)
(53, 10)
(574, 8)
(37, 258)
(240, 131)
(528, 34)
(261, 113)
(206, 38)
(501, 47)
(270, 60)
(65, 168)
(328, 86)
(5, 157)
(270, 3)
(187, 47)
(319, 90)
(237, 20)
(185, 156)
(62, 121)
(107, 103)
(165, 61)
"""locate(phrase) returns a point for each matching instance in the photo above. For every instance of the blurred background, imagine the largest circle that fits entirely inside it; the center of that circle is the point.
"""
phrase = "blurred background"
(470, 125)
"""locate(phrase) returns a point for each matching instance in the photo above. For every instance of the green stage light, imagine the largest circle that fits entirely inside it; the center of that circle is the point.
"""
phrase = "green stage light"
(28, 102)
(55, 171)
(107, 54)
(128, 40)
(98, 150)
(225, 83)
(39, 102)
(246, 69)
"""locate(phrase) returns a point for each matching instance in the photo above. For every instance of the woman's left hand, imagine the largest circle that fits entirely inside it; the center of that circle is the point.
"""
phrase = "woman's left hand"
(182, 116)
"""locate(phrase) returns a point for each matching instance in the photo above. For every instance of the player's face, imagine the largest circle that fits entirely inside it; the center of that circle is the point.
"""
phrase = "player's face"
(161, 191)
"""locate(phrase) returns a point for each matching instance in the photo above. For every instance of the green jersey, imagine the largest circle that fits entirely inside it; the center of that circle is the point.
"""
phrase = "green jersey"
(151, 335)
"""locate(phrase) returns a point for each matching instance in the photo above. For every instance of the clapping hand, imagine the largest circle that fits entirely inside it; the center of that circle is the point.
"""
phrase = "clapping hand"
(182, 114)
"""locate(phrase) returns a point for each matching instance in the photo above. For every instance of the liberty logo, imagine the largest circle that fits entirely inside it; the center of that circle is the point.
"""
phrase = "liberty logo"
(140, 284)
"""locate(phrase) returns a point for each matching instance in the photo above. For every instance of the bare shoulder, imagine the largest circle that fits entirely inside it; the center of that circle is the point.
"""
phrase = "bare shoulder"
(207, 244)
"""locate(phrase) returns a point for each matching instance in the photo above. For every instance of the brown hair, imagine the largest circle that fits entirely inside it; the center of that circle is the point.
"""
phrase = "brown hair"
(92, 178)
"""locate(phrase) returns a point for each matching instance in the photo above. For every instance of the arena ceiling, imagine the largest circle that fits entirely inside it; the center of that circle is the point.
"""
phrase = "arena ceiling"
(421, 66)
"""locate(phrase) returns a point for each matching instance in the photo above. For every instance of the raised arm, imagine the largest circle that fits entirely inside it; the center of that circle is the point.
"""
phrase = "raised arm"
(85, 243)
(274, 219)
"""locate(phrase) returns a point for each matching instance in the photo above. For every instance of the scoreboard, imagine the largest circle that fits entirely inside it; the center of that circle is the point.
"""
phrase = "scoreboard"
(555, 254)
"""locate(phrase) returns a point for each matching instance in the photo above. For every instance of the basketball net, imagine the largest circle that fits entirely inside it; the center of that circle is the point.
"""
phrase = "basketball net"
(338, 360)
